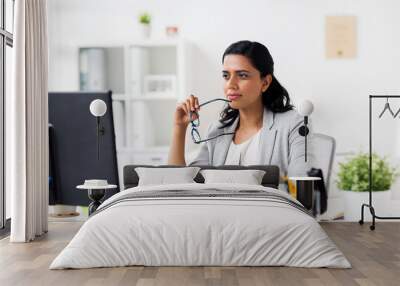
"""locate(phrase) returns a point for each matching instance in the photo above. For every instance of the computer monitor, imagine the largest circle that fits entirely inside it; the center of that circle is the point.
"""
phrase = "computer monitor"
(73, 146)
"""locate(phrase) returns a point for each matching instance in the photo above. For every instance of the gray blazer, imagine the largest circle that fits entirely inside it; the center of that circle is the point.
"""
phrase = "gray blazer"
(281, 144)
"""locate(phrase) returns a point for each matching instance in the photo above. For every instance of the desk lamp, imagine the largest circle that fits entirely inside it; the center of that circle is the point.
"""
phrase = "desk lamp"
(98, 108)
(305, 108)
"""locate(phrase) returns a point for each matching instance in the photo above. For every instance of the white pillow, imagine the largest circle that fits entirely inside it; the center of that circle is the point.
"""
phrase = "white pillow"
(249, 177)
(165, 176)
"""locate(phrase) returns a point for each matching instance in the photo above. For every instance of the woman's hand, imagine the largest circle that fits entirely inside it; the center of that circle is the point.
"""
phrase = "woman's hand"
(182, 111)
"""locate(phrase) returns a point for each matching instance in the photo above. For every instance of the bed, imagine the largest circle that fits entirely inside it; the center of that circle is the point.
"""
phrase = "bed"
(201, 224)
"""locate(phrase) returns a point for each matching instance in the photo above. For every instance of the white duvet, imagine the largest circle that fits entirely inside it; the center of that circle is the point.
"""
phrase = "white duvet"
(200, 231)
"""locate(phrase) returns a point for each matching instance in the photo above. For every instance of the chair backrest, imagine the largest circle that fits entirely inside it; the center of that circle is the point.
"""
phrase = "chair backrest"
(324, 147)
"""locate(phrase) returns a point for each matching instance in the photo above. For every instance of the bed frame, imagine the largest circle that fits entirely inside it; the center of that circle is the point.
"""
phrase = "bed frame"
(270, 179)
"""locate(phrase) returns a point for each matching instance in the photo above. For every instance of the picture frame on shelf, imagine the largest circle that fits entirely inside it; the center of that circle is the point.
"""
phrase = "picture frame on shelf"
(160, 85)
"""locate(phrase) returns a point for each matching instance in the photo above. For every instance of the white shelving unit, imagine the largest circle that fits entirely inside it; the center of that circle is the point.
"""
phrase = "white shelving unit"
(147, 78)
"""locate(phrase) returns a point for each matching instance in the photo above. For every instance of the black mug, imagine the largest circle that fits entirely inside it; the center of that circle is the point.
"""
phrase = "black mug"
(305, 193)
(305, 190)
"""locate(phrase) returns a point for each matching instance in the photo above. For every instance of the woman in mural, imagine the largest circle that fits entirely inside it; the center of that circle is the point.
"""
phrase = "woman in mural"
(258, 126)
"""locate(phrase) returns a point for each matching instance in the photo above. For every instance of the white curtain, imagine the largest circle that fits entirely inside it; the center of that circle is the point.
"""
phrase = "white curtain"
(26, 123)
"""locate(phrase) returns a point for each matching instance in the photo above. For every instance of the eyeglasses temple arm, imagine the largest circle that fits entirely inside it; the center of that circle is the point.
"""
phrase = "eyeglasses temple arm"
(211, 138)
(212, 100)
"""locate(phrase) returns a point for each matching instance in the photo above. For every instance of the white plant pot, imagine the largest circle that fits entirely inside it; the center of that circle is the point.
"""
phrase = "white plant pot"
(145, 30)
(354, 200)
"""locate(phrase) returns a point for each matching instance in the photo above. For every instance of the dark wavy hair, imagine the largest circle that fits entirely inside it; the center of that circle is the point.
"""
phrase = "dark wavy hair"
(275, 98)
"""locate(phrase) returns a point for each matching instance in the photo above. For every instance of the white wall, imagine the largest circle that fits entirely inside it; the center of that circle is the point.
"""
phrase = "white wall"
(292, 30)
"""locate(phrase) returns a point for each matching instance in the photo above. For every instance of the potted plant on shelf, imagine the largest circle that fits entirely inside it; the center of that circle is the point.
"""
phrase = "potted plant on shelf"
(145, 20)
(353, 180)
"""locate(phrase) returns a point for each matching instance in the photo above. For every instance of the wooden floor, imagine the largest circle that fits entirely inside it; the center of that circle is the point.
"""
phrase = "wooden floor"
(375, 256)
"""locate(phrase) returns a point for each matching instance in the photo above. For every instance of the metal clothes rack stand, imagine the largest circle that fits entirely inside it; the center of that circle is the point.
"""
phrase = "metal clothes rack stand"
(370, 206)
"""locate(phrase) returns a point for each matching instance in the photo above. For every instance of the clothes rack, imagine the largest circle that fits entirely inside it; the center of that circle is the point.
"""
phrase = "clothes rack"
(370, 205)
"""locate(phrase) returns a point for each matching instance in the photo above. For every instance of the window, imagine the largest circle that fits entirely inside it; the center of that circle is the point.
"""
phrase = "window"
(6, 43)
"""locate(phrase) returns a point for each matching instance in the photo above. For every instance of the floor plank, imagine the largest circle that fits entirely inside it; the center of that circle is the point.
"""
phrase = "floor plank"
(375, 257)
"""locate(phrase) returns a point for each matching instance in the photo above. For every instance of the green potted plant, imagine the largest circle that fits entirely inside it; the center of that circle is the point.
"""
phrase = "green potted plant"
(145, 21)
(353, 179)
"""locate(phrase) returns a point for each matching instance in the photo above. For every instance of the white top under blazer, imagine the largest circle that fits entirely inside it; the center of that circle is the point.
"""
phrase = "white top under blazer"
(245, 153)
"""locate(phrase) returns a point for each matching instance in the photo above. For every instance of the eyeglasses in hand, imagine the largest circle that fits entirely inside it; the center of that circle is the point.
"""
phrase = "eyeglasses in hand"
(196, 123)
